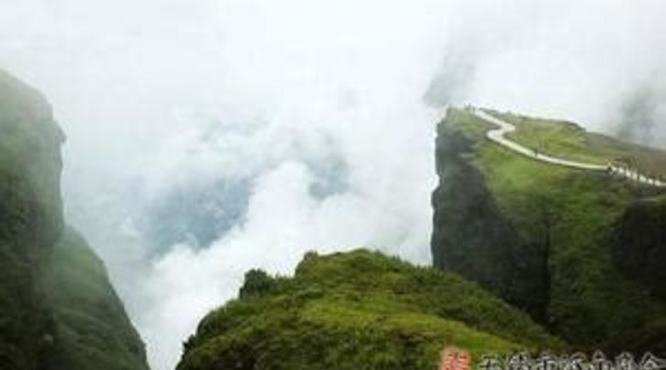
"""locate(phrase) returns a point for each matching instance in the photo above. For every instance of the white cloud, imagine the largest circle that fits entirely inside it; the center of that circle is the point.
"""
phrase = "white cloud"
(164, 96)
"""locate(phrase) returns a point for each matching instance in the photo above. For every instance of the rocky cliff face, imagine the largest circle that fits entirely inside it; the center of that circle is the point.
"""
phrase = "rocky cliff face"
(581, 252)
(472, 236)
(39, 316)
(30, 220)
(639, 244)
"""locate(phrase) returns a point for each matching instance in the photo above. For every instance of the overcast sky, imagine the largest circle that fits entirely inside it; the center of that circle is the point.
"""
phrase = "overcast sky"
(207, 137)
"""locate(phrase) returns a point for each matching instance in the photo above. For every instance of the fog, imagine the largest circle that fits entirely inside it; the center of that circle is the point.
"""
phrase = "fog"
(209, 137)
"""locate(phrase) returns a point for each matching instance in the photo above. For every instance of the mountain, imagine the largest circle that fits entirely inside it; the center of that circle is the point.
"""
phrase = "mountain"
(545, 237)
(357, 310)
(582, 251)
(58, 310)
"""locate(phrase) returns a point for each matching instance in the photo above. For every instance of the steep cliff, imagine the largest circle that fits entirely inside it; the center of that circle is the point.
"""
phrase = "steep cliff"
(580, 251)
(357, 310)
(57, 309)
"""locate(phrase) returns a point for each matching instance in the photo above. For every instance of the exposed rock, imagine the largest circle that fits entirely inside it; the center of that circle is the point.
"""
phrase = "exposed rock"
(583, 252)
(48, 321)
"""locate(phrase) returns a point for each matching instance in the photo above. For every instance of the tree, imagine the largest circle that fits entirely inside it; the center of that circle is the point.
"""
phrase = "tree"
(257, 283)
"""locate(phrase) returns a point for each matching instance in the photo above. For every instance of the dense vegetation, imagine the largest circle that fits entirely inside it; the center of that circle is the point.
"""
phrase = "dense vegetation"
(30, 221)
(93, 328)
(558, 230)
(356, 310)
(57, 311)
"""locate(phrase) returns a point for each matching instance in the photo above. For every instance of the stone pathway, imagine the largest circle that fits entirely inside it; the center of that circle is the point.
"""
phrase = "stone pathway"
(498, 136)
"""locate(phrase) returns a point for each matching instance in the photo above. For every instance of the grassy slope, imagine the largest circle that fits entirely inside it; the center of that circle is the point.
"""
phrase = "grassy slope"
(92, 323)
(568, 140)
(590, 299)
(357, 310)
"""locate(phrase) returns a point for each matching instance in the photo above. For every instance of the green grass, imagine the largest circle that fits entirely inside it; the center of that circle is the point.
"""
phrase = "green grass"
(590, 297)
(576, 212)
(357, 310)
(570, 141)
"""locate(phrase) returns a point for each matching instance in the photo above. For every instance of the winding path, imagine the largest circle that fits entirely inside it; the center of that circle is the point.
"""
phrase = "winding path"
(498, 136)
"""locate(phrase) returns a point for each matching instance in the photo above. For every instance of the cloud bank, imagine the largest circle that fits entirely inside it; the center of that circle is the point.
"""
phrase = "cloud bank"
(209, 137)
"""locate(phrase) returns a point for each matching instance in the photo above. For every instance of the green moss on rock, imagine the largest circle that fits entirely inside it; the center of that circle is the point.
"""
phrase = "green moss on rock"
(561, 228)
(57, 310)
(30, 221)
(93, 328)
(357, 310)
